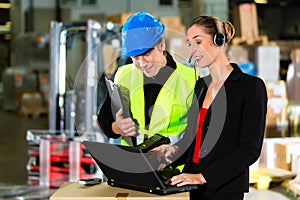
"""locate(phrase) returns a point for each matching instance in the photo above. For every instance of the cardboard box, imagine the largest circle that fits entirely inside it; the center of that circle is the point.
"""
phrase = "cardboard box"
(292, 77)
(238, 54)
(119, 18)
(175, 44)
(267, 62)
(277, 117)
(110, 55)
(178, 49)
(276, 89)
(284, 151)
(296, 163)
(245, 21)
(74, 191)
(32, 104)
(293, 82)
(293, 111)
(295, 55)
(268, 154)
(173, 23)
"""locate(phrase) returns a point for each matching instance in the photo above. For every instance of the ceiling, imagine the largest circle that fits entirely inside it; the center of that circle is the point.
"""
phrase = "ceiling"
(4, 17)
(270, 2)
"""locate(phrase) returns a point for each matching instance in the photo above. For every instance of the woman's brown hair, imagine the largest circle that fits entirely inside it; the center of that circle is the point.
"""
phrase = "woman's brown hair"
(213, 25)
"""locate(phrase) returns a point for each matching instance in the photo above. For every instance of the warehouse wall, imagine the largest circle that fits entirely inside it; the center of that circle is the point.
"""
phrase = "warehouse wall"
(44, 10)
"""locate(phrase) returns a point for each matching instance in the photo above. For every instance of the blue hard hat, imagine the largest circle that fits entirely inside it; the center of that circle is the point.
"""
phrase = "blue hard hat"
(140, 32)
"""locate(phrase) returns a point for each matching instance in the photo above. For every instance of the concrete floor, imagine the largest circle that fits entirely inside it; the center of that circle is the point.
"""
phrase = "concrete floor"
(13, 145)
(13, 154)
(13, 157)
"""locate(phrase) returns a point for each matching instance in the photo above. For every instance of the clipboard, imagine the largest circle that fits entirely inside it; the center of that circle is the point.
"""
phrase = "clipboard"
(117, 101)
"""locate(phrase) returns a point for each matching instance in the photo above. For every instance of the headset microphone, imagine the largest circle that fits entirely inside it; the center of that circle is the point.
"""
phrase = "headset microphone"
(193, 65)
(190, 59)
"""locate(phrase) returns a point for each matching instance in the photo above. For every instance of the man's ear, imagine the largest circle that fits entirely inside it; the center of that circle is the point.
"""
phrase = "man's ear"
(162, 45)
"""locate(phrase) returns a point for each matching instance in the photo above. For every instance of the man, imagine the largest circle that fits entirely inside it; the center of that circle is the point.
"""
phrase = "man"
(159, 89)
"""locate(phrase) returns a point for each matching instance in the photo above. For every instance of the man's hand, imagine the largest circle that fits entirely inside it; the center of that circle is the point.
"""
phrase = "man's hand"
(123, 126)
(168, 151)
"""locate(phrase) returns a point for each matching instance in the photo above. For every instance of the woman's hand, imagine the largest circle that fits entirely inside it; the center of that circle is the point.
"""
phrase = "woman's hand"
(187, 179)
(123, 126)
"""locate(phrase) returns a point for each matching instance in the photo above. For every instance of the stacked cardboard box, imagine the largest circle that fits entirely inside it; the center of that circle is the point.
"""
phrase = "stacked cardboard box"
(293, 110)
(175, 36)
(267, 61)
(293, 77)
(286, 154)
(246, 24)
(277, 118)
(175, 44)
(293, 92)
(32, 105)
(245, 20)
(268, 153)
(173, 23)
(119, 18)
(16, 82)
(240, 54)
(110, 55)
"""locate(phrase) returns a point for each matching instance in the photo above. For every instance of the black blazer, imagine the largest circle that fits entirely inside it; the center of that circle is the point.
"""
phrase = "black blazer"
(233, 132)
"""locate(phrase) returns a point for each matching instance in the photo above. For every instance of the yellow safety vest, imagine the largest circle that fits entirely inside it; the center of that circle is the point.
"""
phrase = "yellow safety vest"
(173, 101)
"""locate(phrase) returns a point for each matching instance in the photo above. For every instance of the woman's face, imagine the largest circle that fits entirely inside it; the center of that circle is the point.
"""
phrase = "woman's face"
(201, 46)
(151, 62)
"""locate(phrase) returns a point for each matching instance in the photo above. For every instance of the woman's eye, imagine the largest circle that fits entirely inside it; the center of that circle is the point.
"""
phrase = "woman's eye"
(195, 43)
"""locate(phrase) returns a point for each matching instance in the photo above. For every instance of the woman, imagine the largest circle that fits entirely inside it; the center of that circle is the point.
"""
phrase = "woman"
(226, 121)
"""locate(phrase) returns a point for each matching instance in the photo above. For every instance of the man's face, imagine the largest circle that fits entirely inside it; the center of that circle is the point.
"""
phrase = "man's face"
(150, 62)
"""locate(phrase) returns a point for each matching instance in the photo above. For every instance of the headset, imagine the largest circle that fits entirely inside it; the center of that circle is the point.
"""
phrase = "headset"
(218, 37)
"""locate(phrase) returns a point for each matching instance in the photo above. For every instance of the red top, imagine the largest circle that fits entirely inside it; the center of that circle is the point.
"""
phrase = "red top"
(201, 117)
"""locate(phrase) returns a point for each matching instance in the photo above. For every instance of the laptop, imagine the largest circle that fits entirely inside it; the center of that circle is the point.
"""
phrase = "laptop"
(128, 167)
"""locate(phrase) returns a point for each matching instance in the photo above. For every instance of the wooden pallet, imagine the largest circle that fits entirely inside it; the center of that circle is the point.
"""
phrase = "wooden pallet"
(294, 187)
(262, 178)
(262, 39)
(34, 113)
